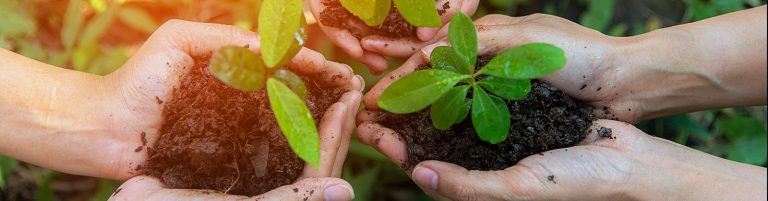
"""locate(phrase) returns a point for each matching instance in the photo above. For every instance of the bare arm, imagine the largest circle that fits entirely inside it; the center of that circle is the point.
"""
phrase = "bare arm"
(714, 63)
(45, 109)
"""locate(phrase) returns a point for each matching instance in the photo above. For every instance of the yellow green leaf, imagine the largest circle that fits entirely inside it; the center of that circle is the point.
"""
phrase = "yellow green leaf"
(280, 23)
(372, 12)
(295, 121)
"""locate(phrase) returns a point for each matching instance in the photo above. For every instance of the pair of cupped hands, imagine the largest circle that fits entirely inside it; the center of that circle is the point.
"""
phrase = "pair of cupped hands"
(597, 168)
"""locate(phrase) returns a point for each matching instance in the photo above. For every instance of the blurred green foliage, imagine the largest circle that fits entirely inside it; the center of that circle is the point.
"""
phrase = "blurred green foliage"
(98, 36)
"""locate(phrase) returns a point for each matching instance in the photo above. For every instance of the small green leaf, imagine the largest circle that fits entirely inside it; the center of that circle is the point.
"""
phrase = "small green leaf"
(446, 110)
(238, 67)
(490, 117)
(138, 19)
(750, 149)
(506, 88)
(293, 81)
(418, 90)
(372, 12)
(295, 121)
(740, 126)
(420, 13)
(529, 61)
(464, 111)
(446, 58)
(463, 38)
(280, 23)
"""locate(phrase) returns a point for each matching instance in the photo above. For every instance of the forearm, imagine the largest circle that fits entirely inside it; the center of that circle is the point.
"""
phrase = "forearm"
(714, 63)
(49, 116)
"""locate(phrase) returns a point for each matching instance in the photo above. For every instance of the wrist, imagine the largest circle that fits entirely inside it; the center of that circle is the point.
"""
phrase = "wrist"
(661, 72)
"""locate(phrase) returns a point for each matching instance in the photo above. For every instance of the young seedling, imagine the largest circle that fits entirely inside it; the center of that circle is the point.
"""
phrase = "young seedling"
(446, 86)
(420, 13)
(281, 25)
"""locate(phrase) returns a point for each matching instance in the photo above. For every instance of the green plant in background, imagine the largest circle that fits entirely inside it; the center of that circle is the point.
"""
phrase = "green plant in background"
(507, 76)
(421, 13)
(282, 36)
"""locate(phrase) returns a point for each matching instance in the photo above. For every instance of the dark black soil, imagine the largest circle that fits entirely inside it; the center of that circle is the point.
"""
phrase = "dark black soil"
(546, 119)
(395, 26)
(217, 137)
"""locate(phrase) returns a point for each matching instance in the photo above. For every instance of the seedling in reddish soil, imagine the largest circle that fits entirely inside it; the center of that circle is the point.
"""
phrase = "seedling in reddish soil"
(446, 86)
(281, 25)
(420, 13)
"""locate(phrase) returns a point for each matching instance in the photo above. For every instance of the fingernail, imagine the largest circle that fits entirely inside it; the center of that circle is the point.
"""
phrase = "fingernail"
(425, 177)
(427, 50)
(338, 192)
(426, 34)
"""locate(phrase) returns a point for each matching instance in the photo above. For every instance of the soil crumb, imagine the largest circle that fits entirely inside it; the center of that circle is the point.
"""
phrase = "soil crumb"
(220, 138)
(546, 119)
(605, 132)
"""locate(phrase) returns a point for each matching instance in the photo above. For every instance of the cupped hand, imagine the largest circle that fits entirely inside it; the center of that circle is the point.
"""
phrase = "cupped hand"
(371, 49)
(150, 76)
(593, 73)
(628, 165)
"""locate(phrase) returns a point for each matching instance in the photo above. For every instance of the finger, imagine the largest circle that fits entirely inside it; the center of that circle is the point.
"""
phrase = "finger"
(341, 38)
(352, 100)
(372, 96)
(148, 188)
(200, 39)
(398, 47)
(367, 115)
(310, 62)
(376, 63)
(387, 141)
(330, 135)
(614, 134)
(451, 8)
(456, 183)
(315, 189)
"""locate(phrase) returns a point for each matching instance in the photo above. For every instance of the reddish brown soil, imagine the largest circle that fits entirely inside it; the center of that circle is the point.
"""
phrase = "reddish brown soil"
(546, 119)
(394, 26)
(217, 137)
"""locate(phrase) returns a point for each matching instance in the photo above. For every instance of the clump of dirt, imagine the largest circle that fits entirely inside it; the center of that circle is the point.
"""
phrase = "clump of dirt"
(217, 137)
(395, 26)
(546, 119)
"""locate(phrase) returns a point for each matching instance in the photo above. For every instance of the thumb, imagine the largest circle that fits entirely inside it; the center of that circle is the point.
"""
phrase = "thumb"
(453, 182)
(329, 189)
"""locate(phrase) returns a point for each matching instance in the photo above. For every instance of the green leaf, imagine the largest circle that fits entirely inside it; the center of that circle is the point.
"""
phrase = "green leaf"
(463, 37)
(138, 19)
(529, 61)
(372, 12)
(73, 20)
(446, 110)
(418, 90)
(280, 31)
(446, 58)
(740, 126)
(420, 13)
(506, 88)
(293, 81)
(238, 67)
(599, 15)
(295, 121)
(751, 150)
(464, 111)
(7, 166)
(490, 117)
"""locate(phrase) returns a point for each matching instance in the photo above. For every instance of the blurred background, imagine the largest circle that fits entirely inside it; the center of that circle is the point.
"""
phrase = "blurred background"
(98, 36)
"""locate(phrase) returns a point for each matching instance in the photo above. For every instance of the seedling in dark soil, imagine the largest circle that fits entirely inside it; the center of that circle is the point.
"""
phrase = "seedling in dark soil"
(281, 25)
(419, 13)
(446, 87)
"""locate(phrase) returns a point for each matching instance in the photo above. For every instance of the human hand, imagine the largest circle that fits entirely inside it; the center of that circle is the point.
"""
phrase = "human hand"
(155, 70)
(371, 49)
(148, 188)
(314, 184)
(628, 165)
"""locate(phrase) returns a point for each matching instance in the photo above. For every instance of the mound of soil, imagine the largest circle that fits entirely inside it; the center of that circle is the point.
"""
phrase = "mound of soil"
(395, 26)
(217, 137)
(546, 119)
